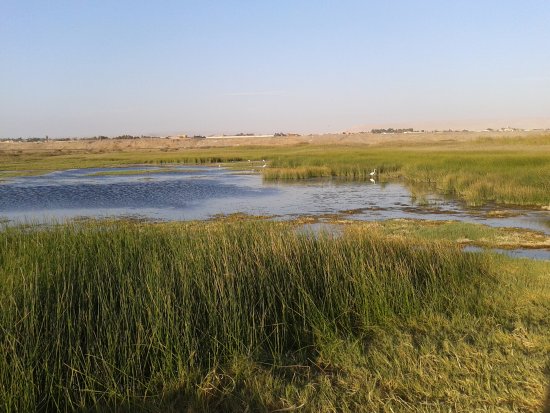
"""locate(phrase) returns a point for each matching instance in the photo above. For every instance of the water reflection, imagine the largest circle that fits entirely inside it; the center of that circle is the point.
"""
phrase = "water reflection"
(184, 193)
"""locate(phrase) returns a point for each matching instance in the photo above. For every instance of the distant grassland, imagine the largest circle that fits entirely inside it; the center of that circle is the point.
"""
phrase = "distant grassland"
(499, 170)
(252, 315)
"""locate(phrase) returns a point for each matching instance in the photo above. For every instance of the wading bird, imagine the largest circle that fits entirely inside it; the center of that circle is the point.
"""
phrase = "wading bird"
(373, 172)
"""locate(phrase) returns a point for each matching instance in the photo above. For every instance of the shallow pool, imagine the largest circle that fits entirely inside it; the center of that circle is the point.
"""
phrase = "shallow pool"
(189, 193)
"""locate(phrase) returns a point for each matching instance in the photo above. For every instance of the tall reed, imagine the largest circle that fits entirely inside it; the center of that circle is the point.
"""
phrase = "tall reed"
(101, 313)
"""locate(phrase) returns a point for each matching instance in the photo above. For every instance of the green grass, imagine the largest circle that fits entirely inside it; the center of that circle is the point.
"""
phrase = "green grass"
(477, 174)
(500, 170)
(50, 161)
(463, 233)
(230, 316)
(141, 172)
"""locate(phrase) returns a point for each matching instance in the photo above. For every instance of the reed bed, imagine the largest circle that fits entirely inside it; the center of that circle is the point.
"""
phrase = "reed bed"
(500, 170)
(116, 314)
(505, 176)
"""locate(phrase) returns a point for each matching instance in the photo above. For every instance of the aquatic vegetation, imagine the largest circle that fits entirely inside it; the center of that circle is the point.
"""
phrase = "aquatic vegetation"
(141, 172)
(500, 170)
(457, 232)
(234, 315)
(506, 175)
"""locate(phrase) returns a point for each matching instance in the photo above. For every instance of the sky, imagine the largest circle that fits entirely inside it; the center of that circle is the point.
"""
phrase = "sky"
(87, 68)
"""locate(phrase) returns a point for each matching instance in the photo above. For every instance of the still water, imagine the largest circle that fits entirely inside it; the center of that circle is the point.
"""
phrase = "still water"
(189, 193)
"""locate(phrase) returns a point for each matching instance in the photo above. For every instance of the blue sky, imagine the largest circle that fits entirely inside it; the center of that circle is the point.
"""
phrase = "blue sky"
(84, 68)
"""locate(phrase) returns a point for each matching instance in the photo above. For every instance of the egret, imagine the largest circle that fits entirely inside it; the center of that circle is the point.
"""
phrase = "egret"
(373, 172)
(372, 180)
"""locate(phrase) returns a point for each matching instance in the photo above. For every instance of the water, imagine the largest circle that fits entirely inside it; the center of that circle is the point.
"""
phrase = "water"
(203, 192)
(534, 254)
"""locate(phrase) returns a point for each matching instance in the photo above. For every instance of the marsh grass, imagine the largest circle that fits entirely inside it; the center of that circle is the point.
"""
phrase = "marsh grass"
(501, 170)
(509, 175)
(462, 233)
(142, 172)
(120, 314)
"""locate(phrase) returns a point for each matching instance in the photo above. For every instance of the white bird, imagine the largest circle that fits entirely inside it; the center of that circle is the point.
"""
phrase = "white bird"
(264, 165)
(373, 172)
(372, 180)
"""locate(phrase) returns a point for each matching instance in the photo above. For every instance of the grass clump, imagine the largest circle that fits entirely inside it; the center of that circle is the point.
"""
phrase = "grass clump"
(457, 232)
(142, 316)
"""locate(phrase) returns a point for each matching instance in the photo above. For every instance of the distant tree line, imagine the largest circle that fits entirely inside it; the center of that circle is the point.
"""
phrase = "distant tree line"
(33, 139)
(133, 137)
(392, 130)
(278, 134)
(92, 138)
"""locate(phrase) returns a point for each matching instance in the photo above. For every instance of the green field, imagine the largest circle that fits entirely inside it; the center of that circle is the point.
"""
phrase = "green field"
(230, 316)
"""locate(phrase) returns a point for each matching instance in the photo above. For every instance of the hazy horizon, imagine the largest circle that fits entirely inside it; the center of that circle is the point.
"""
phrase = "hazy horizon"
(104, 68)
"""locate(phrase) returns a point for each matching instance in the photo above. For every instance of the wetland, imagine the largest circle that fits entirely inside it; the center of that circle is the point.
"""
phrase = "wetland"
(194, 280)
(199, 193)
